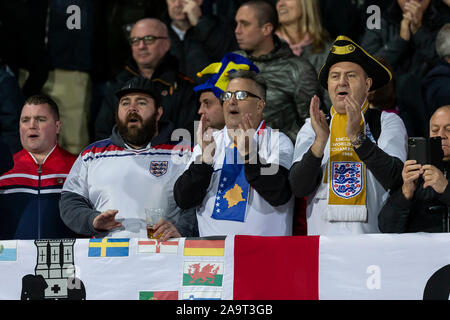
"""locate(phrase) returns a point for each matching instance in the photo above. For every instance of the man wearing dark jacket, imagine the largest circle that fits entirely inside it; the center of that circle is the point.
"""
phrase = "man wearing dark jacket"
(291, 80)
(114, 181)
(421, 204)
(197, 39)
(406, 39)
(150, 59)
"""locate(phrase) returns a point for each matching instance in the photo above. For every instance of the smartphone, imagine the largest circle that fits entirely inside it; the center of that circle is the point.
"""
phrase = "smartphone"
(426, 151)
(435, 152)
(417, 149)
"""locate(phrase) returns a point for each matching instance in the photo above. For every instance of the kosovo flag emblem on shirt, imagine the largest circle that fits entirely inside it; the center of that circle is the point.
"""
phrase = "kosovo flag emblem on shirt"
(108, 247)
(232, 193)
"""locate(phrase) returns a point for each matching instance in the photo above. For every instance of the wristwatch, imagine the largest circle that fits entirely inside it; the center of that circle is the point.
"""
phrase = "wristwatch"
(359, 139)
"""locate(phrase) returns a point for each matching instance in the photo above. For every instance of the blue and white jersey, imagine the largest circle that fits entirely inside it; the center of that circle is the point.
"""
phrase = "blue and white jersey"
(258, 216)
(129, 180)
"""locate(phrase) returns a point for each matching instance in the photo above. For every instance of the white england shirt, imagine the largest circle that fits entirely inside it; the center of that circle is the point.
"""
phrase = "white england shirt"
(130, 181)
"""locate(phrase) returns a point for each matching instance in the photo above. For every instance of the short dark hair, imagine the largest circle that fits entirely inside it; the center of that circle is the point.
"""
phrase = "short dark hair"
(265, 12)
(44, 99)
(256, 77)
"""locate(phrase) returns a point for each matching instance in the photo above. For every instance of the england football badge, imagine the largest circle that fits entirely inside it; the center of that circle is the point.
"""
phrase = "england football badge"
(159, 168)
(347, 178)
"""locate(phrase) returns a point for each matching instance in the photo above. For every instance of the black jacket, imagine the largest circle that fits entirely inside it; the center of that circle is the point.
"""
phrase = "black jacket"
(411, 60)
(436, 87)
(6, 159)
(424, 213)
(11, 103)
(178, 99)
(202, 45)
(414, 56)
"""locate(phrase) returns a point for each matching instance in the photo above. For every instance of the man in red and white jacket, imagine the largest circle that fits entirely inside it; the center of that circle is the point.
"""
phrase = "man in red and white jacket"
(31, 190)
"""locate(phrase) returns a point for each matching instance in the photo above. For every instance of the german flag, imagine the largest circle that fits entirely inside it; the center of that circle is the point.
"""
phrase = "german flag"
(208, 246)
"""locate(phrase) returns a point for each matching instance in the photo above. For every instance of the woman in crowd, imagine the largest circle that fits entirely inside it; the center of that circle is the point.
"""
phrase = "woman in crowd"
(300, 25)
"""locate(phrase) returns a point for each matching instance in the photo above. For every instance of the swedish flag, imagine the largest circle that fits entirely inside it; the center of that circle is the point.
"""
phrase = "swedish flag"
(108, 247)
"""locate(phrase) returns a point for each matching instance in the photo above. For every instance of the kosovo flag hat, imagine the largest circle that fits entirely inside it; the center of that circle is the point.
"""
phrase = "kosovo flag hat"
(345, 49)
(219, 71)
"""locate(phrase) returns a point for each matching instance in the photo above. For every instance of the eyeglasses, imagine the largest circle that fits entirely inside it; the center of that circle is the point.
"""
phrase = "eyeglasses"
(147, 40)
(239, 95)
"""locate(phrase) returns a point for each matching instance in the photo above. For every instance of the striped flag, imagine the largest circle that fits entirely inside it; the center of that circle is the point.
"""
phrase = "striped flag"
(8, 250)
(158, 295)
(108, 247)
(208, 246)
(202, 295)
(154, 246)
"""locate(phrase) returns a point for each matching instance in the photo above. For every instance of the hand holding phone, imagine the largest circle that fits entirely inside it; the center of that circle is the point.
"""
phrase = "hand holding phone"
(410, 174)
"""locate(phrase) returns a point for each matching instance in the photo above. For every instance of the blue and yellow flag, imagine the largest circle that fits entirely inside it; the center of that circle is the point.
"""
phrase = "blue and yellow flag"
(108, 247)
(232, 193)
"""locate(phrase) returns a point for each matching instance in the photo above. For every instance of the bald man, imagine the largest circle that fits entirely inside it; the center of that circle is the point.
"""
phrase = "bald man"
(150, 58)
(149, 41)
(421, 204)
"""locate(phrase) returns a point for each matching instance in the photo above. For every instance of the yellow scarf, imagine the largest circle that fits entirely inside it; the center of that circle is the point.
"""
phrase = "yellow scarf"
(345, 174)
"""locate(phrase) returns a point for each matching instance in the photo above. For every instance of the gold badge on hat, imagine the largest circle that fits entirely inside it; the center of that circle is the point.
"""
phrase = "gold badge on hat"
(345, 49)
(341, 50)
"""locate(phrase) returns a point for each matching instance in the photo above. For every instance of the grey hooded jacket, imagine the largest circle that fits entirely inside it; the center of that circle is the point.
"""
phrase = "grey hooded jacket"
(78, 213)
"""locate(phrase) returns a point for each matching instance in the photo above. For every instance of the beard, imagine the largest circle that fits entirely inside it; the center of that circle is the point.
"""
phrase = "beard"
(138, 136)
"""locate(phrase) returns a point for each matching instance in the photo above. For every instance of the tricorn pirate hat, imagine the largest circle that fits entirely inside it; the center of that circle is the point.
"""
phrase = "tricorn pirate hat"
(345, 49)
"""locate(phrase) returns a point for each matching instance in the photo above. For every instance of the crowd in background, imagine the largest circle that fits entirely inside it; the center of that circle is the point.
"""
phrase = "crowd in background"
(81, 66)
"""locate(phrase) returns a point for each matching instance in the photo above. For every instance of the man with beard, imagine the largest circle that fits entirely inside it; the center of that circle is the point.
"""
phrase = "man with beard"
(114, 181)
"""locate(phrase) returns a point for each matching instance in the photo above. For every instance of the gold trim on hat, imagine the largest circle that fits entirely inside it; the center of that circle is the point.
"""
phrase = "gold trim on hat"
(341, 50)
